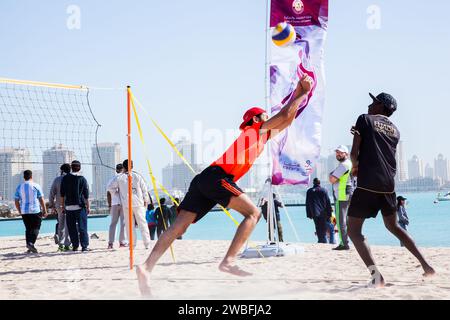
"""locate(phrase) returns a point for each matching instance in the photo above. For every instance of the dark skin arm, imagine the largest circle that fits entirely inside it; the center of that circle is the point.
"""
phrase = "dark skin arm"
(354, 154)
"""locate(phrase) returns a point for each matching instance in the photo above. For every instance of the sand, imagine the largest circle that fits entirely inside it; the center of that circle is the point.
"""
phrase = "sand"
(318, 273)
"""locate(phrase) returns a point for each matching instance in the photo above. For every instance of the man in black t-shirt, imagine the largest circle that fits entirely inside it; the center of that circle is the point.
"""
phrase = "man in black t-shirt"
(373, 158)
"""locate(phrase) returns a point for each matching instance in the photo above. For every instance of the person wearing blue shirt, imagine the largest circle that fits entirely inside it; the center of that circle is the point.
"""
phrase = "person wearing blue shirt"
(29, 201)
(151, 220)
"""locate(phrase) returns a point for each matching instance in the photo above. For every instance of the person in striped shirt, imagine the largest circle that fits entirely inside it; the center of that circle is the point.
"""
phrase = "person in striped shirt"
(29, 201)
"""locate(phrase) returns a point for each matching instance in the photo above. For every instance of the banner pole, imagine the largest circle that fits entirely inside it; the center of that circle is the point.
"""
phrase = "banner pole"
(130, 195)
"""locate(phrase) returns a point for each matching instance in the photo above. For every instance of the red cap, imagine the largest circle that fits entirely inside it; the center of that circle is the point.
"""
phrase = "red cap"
(249, 114)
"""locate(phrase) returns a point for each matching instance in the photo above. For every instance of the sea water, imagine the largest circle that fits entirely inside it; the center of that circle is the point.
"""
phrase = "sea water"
(429, 225)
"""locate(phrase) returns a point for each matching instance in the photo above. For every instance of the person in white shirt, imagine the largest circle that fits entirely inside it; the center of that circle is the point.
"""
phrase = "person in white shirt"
(116, 211)
(140, 200)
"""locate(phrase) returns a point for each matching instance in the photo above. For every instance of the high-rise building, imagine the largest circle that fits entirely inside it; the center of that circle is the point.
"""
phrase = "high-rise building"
(177, 175)
(52, 160)
(441, 167)
(415, 168)
(187, 149)
(105, 157)
(13, 161)
(38, 177)
(429, 171)
(167, 177)
(402, 174)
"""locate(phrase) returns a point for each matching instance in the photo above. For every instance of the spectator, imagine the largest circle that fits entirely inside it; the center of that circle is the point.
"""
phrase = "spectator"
(117, 213)
(140, 200)
(29, 201)
(277, 205)
(331, 229)
(173, 211)
(62, 233)
(342, 193)
(75, 197)
(151, 220)
(162, 217)
(403, 219)
(318, 208)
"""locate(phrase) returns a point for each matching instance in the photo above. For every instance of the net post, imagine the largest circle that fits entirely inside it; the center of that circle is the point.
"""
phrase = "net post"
(130, 195)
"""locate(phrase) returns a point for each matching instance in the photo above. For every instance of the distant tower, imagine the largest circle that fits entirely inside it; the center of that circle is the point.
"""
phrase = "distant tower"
(109, 153)
(402, 174)
(441, 167)
(52, 160)
(429, 172)
(177, 175)
(13, 161)
(415, 168)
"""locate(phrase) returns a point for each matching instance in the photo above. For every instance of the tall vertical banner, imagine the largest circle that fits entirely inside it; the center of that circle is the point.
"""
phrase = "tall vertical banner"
(296, 150)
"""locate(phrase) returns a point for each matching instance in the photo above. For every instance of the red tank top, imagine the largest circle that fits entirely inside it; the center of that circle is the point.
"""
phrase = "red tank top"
(241, 155)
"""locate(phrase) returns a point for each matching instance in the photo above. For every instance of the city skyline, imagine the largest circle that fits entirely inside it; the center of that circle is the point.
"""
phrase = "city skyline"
(176, 175)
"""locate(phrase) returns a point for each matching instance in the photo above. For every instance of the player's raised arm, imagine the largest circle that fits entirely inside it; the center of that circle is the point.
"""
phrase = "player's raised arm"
(286, 116)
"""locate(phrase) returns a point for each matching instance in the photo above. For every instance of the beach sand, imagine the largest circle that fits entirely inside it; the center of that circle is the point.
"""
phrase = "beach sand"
(317, 273)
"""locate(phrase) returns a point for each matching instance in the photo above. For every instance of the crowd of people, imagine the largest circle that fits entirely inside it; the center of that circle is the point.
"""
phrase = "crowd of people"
(69, 202)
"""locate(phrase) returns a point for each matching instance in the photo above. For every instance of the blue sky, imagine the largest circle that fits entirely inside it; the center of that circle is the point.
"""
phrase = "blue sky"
(200, 60)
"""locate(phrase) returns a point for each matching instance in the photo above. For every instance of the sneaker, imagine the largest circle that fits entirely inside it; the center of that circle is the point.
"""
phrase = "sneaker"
(32, 248)
(75, 249)
(123, 245)
(110, 246)
(67, 248)
(85, 249)
(342, 247)
(61, 248)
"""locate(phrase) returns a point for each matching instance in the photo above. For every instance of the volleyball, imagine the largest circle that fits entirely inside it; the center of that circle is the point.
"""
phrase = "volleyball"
(283, 34)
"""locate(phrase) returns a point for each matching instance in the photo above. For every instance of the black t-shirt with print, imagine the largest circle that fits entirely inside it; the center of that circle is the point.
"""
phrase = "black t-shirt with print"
(377, 165)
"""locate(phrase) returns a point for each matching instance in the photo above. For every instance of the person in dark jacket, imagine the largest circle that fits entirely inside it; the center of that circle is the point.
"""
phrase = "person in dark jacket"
(276, 204)
(318, 208)
(162, 215)
(75, 197)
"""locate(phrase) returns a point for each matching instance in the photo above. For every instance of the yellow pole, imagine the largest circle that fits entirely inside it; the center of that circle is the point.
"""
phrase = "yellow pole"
(130, 179)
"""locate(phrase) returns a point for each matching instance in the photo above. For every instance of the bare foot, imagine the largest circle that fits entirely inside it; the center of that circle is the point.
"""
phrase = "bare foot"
(143, 280)
(429, 271)
(376, 282)
(235, 270)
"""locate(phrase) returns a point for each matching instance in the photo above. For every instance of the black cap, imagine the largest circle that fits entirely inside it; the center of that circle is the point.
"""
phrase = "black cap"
(387, 100)
(400, 198)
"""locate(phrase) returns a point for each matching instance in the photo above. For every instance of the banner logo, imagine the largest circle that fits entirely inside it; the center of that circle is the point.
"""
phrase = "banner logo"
(298, 7)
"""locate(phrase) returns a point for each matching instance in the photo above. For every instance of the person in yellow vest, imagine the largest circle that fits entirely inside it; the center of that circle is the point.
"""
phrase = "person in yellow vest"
(342, 191)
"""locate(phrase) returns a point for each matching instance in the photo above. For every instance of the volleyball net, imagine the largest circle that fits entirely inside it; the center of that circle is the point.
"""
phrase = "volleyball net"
(50, 124)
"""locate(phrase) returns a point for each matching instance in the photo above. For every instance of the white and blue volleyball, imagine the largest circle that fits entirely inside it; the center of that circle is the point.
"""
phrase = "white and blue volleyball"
(283, 34)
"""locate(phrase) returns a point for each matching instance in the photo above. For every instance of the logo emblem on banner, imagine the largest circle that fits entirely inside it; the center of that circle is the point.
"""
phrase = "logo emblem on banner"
(298, 6)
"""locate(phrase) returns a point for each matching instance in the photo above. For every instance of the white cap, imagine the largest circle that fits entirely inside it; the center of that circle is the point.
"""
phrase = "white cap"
(342, 148)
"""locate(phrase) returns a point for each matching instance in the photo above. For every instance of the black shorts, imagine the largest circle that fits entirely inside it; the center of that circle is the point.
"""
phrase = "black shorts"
(365, 204)
(210, 187)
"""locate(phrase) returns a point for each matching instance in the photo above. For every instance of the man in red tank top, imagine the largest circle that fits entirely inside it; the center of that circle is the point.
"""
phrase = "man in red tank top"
(217, 184)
